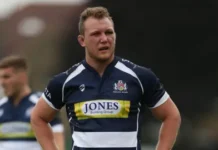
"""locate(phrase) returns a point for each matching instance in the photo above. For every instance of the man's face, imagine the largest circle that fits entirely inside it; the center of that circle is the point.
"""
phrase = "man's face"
(10, 81)
(99, 38)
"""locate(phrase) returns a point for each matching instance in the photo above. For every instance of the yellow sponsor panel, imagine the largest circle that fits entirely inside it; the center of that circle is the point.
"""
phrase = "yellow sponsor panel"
(102, 109)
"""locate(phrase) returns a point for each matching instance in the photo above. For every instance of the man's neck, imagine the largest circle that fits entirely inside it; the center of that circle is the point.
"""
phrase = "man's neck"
(24, 91)
(99, 66)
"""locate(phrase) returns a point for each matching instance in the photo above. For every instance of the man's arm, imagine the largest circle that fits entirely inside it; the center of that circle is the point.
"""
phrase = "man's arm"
(58, 130)
(41, 115)
(171, 120)
(59, 139)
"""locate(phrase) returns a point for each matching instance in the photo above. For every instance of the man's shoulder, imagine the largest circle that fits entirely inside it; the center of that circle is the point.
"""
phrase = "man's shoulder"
(138, 69)
(61, 77)
(126, 62)
(58, 80)
(73, 68)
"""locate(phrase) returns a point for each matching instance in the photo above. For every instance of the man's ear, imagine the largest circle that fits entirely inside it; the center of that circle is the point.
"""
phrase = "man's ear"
(81, 40)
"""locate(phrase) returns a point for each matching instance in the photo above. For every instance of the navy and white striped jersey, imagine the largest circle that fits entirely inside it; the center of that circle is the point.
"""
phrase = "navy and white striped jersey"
(104, 112)
(15, 129)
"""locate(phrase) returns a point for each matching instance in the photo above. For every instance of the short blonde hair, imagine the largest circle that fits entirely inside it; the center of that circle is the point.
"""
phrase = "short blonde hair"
(16, 62)
(96, 12)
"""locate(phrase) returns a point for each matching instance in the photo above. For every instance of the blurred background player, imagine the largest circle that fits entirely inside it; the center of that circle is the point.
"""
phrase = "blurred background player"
(16, 106)
(1, 92)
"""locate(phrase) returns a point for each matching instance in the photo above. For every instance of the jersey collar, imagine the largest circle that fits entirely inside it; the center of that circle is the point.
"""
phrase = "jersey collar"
(108, 68)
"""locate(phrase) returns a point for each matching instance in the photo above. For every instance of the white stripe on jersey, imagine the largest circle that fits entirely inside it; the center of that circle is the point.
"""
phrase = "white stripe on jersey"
(162, 100)
(19, 145)
(125, 69)
(34, 98)
(58, 128)
(3, 100)
(105, 139)
(76, 72)
(137, 123)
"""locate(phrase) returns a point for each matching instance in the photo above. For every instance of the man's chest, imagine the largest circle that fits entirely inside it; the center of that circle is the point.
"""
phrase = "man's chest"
(112, 97)
(111, 88)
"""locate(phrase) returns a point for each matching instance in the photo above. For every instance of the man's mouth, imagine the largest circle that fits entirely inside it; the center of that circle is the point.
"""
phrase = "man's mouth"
(103, 48)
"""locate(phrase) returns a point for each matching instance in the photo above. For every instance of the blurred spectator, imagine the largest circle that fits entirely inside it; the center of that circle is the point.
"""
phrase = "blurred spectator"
(15, 108)
(1, 92)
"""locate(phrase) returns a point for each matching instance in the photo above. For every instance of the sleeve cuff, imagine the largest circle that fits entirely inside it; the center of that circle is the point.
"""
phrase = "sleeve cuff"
(162, 100)
(48, 102)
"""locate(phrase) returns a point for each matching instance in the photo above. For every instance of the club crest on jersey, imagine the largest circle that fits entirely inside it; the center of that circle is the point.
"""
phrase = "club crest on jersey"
(82, 87)
(120, 87)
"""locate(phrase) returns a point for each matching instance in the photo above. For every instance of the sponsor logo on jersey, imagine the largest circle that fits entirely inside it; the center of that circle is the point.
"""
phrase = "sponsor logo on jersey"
(47, 93)
(120, 87)
(102, 109)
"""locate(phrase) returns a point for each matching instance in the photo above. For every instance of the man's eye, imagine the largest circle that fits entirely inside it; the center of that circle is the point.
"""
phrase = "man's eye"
(109, 32)
(95, 33)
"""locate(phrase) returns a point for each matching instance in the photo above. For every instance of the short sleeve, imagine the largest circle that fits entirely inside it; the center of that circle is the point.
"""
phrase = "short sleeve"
(154, 92)
(53, 92)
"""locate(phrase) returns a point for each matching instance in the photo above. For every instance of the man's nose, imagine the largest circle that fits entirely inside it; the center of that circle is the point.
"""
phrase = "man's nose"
(103, 38)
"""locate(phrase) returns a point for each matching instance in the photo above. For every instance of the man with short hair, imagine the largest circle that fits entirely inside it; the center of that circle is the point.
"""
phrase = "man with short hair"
(15, 109)
(105, 96)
